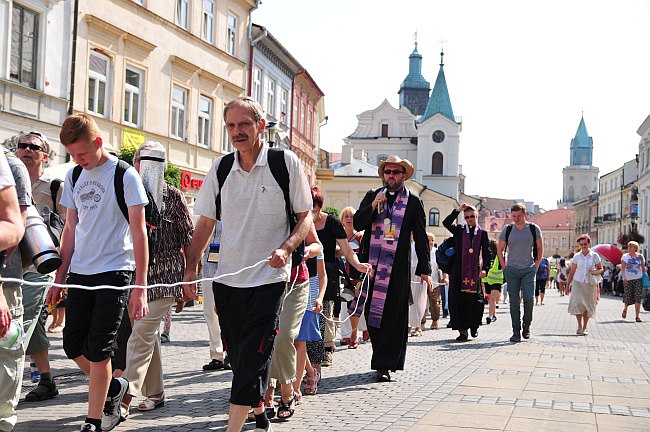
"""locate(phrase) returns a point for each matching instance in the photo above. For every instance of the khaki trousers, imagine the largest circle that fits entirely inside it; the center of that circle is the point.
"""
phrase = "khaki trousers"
(434, 306)
(212, 320)
(12, 363)
(143, 356)
(283, 362)
(329, 335)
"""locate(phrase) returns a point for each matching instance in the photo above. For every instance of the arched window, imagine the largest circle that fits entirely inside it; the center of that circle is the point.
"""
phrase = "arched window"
(436, 163)
(571, 193)
(434, 217)
(381, 158)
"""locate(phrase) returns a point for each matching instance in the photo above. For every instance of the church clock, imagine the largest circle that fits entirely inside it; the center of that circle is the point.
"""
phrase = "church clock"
(438, 136)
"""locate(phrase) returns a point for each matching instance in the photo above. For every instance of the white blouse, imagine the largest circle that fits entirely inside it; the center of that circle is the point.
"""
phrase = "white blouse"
(584, 264)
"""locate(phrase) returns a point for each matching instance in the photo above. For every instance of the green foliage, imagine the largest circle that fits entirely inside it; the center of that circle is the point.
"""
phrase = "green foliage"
(331, 211)
(172, 173)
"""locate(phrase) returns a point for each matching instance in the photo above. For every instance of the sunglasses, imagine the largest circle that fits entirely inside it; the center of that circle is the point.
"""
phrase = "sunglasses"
(470, 217)
(389, 172)
(583, 244)
(32, 147)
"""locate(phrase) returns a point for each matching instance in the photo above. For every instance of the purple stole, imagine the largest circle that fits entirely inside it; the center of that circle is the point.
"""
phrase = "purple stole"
(382, 256)
(469, 276)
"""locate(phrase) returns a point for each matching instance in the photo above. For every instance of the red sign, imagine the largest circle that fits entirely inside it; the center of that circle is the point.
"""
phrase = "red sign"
(187, 182)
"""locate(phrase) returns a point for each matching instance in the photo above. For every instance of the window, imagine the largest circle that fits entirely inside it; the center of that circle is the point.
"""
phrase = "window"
(208, 20)
(132, 97)
(257, 84)
(98, 70)
(310, 115)
(295, 111)
(24, 37)
(270, 97)
(182, 13)
(226, 145)
(284, 97)
(434, 217)
(384, 130)
(179, 102)
(205, 113)
(381, 158)
(563, 242)
(437, 163)
(231, 41)
(303, 116)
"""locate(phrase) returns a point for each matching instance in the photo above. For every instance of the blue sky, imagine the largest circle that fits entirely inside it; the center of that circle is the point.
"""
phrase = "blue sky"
(520, 74)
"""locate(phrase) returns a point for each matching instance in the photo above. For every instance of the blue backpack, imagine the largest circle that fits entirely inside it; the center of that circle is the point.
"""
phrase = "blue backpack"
(445, 255)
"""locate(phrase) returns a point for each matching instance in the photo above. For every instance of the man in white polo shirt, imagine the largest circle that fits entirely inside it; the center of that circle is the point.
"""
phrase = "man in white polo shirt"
(255, 228)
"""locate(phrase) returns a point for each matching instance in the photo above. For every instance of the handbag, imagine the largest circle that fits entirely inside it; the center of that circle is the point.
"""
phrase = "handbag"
(645, 280)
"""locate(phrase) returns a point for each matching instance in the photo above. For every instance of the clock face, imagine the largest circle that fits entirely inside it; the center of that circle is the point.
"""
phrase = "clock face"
(438, 136)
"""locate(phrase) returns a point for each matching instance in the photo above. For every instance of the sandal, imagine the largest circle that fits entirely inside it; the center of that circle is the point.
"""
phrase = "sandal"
(151, 403)
(638, 320)
(353, 345)
(311, 384)
(287, 409)
(624, 314)
(44, 390)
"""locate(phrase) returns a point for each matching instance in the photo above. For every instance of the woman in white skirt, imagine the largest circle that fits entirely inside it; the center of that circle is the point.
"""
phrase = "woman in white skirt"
(582, 284)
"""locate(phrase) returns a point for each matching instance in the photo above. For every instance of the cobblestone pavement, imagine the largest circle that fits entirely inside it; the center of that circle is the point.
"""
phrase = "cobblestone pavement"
(554, 381)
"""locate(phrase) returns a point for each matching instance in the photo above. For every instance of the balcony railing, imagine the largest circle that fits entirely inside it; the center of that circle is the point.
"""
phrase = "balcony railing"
(609, 217)
(598, 220)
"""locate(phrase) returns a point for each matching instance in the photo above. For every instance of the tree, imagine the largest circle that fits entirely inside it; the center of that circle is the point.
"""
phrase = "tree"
(331, 211)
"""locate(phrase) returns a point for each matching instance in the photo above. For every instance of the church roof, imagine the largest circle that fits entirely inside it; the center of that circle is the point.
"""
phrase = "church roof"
(582, 138)
(415, 79)
(439, 102)
(559, 219)
(356, 168)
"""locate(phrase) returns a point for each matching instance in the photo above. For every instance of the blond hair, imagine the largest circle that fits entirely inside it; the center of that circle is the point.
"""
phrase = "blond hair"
(347, 210)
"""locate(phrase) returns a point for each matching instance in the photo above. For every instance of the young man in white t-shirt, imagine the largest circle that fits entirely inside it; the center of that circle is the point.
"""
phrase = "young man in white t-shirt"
(99, 247)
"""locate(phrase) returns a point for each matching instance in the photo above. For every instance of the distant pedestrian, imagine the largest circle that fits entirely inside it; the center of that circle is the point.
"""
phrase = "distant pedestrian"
(561, 276)
(541, 280)
(471, 263)
(525, 247)
(583, 281)
(434, 295)
(493, 282)
(632, 268)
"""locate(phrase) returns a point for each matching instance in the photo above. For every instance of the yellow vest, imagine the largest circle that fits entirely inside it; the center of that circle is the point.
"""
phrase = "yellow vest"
(495, 274)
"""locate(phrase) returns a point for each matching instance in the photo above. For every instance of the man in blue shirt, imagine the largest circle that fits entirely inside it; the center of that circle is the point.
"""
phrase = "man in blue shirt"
(543, 271)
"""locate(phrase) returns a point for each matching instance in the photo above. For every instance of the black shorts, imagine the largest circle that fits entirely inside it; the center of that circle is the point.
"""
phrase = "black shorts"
(540, 286)
(492, 287)
(93, 316)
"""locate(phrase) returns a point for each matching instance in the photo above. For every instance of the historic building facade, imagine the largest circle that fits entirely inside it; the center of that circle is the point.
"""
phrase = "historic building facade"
(580, 177)
(643, 184)
(34, 69)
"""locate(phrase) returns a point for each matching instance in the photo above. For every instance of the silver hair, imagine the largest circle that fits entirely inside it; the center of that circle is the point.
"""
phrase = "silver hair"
(247, 103)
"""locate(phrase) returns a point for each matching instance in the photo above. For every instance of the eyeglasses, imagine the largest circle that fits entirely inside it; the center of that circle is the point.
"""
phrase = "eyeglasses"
(389, 172)
(583, 244)
(32, 147)
(470, 217)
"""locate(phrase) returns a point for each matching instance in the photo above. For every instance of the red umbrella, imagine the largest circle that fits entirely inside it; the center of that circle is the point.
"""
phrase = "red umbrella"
(610, 252)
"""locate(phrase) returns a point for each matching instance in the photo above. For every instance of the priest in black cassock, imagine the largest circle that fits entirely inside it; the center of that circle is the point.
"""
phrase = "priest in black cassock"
(389, 216)
(472, 260)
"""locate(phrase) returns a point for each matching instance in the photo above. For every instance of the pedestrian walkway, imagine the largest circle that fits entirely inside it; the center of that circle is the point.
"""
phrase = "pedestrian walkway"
(554, 381)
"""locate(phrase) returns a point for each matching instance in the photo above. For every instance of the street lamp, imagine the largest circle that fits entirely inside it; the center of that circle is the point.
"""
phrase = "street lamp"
(273, 129)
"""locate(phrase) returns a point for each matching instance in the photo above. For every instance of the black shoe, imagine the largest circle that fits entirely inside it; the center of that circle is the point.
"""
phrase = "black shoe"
(515, 337)
(445, 314)
(214, 365)
(226, 363)
(526, 331)
(462, 337)
(449, 325)
(474, 332)
(383, 375)
(44, 390)
(488, 320)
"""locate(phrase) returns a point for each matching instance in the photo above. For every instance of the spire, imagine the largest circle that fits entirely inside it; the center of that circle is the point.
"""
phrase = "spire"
(581, 145)
(414, 91)
(439, 102)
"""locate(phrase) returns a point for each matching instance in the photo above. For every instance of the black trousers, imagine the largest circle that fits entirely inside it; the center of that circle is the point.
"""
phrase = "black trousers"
(249, 322)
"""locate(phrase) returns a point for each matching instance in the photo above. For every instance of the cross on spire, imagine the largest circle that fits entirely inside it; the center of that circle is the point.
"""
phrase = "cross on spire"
(442, 43)
(415, 37)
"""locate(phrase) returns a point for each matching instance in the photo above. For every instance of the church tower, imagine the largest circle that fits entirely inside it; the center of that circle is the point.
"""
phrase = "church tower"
(439, 140)
(414, 91)
(580, 177)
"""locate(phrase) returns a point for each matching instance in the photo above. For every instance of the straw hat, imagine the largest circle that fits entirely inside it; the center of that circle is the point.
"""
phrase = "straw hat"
(395, 160)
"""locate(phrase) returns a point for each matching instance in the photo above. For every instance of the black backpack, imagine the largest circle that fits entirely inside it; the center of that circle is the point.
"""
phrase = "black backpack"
(152, 215)
(281, 175)
(533, 231)
(445, 255)
(53, 221)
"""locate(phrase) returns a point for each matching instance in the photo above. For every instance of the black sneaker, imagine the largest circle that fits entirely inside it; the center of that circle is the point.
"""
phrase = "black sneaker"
(526, 331)
(516, 337)
(111, 416)
(214, 365)
(488, 320)
(462, 337)
(88, 427)
(474, 332)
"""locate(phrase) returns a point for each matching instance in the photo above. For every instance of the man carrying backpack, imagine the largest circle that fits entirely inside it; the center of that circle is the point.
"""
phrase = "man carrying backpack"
(34, 150)
(525, 247)
(252, 205)
(99, 246)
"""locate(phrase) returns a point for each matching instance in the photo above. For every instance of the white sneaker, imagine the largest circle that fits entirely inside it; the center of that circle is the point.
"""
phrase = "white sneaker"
(88, 427)
(112, 413)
